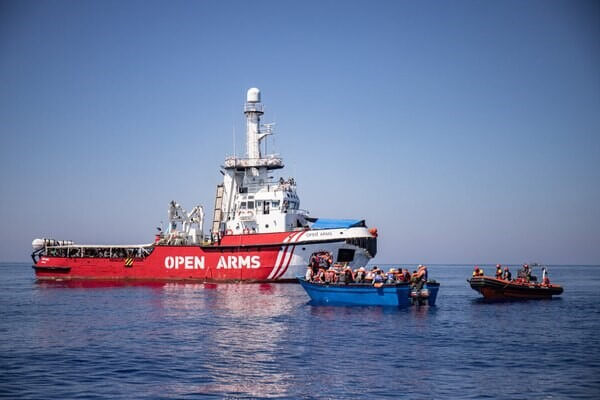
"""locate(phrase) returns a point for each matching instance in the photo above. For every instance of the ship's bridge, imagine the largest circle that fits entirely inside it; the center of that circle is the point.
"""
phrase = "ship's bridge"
(272, 206)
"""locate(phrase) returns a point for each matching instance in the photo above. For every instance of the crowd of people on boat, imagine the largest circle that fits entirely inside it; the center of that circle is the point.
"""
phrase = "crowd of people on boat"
(322, 270)
(523, 274)
(97, 252)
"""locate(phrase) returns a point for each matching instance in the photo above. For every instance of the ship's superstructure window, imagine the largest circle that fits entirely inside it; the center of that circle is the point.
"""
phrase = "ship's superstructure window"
(242, 205)
(345, 255)
(275, 204)
(250, 205)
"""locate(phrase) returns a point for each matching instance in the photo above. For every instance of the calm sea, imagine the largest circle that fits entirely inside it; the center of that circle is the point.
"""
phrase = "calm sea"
(170, 340)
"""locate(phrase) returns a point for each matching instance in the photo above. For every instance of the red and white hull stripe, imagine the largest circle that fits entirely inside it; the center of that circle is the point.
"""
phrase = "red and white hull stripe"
(284, 256)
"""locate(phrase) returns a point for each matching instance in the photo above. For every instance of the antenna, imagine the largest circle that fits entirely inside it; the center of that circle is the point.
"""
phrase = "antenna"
(268, 131)
(233, 133)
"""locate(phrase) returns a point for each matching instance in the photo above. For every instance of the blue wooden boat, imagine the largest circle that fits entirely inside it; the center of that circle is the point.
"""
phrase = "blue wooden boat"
(364, 294)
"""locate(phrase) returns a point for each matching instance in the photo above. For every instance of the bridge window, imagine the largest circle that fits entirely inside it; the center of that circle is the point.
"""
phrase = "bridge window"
(250, 205)
(243, 205)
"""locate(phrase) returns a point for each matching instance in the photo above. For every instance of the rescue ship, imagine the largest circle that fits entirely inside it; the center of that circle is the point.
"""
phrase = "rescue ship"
(258, 232)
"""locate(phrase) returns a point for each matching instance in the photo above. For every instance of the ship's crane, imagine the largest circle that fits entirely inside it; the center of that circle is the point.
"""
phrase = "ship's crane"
(192, 225)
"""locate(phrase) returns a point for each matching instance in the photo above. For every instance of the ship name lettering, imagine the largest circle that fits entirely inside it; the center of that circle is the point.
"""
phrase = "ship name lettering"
(316, 234)
(187, 262)
(238, 262)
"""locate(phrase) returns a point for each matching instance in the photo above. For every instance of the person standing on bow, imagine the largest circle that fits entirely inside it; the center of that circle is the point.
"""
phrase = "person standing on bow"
(498, 271)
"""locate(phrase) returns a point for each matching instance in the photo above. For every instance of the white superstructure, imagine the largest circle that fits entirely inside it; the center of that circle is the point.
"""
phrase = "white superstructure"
(250, 199)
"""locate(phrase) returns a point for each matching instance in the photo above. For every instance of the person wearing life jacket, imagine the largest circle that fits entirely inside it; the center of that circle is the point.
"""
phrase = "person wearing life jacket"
(507, 275)
(391, 276)
(498, 271)
(422, 272)
(371, 274)
(399, 276)
(378, 277)
(416, 279)
(477, 271)
(527, 272)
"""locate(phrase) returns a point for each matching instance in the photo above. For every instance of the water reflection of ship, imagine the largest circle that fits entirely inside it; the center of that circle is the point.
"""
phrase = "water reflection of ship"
(244, 333)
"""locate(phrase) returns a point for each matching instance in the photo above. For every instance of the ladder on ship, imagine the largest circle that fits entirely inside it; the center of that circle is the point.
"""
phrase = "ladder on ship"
(218, 214)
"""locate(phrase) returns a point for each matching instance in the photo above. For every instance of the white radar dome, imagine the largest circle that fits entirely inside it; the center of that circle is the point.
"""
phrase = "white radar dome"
(253, 95)
(37, 244)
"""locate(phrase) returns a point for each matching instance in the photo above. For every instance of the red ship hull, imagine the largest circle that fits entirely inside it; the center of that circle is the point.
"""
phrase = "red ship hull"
(254, 257)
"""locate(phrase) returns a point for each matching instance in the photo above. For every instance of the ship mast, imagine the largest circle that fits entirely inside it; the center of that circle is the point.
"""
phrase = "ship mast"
(253, 110)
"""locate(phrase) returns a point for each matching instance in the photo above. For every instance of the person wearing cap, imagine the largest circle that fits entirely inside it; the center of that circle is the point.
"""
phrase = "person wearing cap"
(391, 276)
(498, 271)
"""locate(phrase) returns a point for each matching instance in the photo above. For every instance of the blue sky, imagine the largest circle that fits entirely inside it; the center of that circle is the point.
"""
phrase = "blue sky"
(465, 131)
